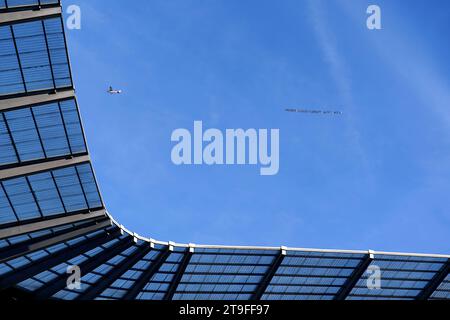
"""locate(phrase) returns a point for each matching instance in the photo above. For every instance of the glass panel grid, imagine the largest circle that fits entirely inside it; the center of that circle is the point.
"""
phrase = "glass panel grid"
(50, 193)
(41, 132)
(401, 277)
(159, 283)
(224, 274)
(37, 256)
(121, 286)
(9, 4)
(443, 290)
(39, 280)
(33, 57)
(311, 275)
(15, 240)
(99, 273)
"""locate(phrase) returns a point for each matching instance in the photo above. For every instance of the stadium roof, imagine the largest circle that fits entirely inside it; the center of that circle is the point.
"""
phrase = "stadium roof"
(52, 215)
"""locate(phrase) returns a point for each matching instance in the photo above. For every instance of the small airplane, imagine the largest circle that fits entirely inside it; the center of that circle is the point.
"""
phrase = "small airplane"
(112, 91)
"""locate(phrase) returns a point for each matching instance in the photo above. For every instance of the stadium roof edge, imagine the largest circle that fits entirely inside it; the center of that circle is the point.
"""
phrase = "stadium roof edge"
(182, 245)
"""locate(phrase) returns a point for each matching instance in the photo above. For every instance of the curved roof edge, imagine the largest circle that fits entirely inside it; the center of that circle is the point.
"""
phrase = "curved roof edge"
(203, 246)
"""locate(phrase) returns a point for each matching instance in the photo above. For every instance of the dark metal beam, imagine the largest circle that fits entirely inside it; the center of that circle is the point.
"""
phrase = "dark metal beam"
(86, 267)
(48, 54)
(38, 131)
(11, 138)
(178, 275)
(8, 199)
(348, 286)
(58, 191)
(47, 262)
(19, 60)
(115, 273)
(434, 283)
(49, 223)
(82, 188)
(41, 167)
(36, 99)
(50, 240)
(67, 51)
(63, 121)
(21, 164)
(147, 275)
(269, 275)
(28, 15)
(33, 194)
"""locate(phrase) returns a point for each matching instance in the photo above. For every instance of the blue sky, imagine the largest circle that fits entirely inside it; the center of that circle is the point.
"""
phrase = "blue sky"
(377, 177)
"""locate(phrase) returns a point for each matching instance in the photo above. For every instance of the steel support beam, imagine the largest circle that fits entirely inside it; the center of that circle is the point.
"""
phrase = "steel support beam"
(86, 267)
(41, 167)
(28, 15)
(178, 275)
(147, 275)
(269, 275)
(434, 283)
(36, 226)
(45, 263)
(32, 100)
(354, 277)
(26, 248)
(115, 273)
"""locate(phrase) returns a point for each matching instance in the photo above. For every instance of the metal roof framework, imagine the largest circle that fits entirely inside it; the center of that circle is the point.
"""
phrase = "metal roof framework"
(52, 215)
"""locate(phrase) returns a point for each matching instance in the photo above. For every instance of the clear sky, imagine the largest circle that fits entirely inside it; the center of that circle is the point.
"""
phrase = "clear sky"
(377, 177)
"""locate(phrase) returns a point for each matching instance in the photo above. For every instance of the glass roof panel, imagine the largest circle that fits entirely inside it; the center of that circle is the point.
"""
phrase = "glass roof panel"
(25, 3)
(39, 280)
(49, 193)
(33, 57)
(401, 277)
(224, 274)
(38, 256)
(443, 290)
(311, 275)
(41, 132)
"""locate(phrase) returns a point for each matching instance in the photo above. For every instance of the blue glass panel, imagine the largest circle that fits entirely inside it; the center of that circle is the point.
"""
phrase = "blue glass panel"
(42, 57)
(311, 275)
(40, 132)
(10, 77)
(19, 3)
(89, 185)
(6, 211)
(51, 130)
(57, 51)
(21, 198)
(46, 194)
(70, 189)
(24, 134)
(443, 290)
(401, 277)
(73, 126)
(24, 3)
(30, 40)
(44, 197)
